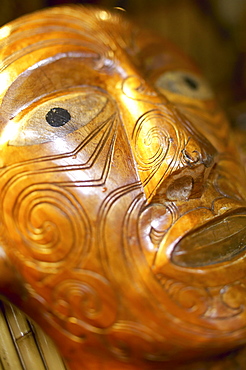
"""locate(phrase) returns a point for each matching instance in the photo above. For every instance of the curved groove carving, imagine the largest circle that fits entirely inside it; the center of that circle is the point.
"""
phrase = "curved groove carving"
(51, 226)
(85, 303)
(122, 197)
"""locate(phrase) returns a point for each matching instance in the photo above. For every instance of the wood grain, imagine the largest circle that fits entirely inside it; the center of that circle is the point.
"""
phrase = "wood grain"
(122, 195)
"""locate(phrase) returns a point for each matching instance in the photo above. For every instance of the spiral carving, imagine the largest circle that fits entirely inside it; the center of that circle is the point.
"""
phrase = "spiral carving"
(51, 227)
(194, 300)
(144, 343)
(84, 303)
(151, 140)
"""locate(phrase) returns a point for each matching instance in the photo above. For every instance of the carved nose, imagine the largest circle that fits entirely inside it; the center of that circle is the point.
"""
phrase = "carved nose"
(173, 159)
(187, 180)
(194, 154)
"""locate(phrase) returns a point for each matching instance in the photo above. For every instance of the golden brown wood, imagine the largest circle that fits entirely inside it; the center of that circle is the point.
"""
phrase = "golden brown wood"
(122, 195)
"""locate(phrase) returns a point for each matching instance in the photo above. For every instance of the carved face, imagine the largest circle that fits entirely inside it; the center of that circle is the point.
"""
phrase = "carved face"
(122, 198)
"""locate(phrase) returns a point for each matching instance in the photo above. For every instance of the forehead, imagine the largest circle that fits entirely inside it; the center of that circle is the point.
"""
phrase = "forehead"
(79, 32)
(40, 48)
(65, 30)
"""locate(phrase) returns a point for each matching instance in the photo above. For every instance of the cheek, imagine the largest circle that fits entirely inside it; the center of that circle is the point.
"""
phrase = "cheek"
(46, 225)
(50, 202)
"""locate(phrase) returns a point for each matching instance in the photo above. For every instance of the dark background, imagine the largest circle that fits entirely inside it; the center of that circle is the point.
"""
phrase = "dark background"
(213, 32)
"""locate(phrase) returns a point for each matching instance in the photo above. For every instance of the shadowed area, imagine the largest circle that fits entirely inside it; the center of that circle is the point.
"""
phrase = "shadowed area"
(215, 242)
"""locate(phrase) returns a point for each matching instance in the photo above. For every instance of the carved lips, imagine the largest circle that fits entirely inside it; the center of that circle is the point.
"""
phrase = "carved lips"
(122, 198)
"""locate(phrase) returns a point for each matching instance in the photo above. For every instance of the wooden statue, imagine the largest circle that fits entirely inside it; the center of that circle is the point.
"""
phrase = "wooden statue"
(122, 195)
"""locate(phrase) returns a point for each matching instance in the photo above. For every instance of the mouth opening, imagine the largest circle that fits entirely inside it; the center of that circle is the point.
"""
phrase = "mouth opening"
(215, 242)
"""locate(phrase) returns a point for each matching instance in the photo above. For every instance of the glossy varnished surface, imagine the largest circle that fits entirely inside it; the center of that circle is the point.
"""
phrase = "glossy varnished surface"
(122, 195)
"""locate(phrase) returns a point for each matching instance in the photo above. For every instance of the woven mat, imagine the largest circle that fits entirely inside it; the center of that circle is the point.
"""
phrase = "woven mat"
(23, 345)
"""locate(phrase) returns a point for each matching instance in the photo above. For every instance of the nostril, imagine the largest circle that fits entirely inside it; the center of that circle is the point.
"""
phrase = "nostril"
(191, 158)
(198, 158)
(187, 180)
(180, 189)
(195, 157)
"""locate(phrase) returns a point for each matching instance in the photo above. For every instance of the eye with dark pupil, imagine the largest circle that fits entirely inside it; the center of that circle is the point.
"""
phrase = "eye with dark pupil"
(57, 117)
(191, 83)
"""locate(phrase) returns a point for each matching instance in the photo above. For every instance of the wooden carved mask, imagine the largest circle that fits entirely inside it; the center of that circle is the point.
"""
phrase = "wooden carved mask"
(122, 197)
